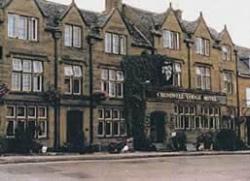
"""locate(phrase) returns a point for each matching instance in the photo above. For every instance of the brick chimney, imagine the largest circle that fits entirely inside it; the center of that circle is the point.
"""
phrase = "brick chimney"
(112, 4)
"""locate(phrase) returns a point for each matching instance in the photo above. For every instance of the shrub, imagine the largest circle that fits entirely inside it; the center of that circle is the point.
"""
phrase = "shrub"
(3, 145)
(227, 140)
(207, 139)
(179, 142)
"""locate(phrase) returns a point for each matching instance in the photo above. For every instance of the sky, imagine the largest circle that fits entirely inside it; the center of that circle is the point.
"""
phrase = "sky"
(217, 13)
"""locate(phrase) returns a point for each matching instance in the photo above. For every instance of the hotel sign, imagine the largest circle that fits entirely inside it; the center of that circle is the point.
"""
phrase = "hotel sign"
(192, 97)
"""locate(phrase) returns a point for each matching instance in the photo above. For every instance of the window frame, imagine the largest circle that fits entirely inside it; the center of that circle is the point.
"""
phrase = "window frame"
(110, 44)
(72, 42)
(171, 40)
(202, 46)
(203, 76)
(31, 30)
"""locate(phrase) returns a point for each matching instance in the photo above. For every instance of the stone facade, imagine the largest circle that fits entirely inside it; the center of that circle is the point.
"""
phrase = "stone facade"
(143, 32)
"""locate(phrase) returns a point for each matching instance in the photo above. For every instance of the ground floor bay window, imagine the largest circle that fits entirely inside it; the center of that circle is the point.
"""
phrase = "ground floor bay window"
(111, 123)
(32, 118)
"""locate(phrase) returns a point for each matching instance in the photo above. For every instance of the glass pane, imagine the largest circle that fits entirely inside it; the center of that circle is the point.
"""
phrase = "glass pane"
(27, 66)
(108, 128)
(42, 128)
(42, 112)
(10, 111)
(100, 128)
(116, 128)
(68, 71)
(37, 67)
(10, 128)
(104, 74)
(31, 112)
(119, 76)
(115, 44)
(20, 111)
(116, 114)
(16, 81)
(108, 44)
(67, 85)
(108, 113)
(77, 71)
(23, 27)
(100, 113)
(77, 86)
(68, 35)
(26, 82)
(17, 65)
(37, 83)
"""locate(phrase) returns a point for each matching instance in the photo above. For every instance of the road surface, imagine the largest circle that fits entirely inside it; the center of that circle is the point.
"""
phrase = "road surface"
(204, 168)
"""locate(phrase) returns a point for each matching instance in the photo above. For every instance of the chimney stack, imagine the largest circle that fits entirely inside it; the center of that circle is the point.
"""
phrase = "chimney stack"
(178, 13)
(113, 4)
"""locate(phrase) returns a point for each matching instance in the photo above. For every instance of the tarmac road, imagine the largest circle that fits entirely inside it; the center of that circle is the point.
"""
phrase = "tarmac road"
(195, 168)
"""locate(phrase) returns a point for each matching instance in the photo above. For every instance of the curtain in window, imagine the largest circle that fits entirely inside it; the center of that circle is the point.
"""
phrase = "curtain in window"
(115, 44)
(108, 43)
(68, 35)
(17, 65)
(68, 71)
(77, 32)
(23, 27)
(12, 23)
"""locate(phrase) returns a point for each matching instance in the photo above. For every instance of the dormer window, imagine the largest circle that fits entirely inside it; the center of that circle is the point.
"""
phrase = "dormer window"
(226, 52)
(22, 27)
(171, 40)
(115, 43)
(73, 36)
(202, 46)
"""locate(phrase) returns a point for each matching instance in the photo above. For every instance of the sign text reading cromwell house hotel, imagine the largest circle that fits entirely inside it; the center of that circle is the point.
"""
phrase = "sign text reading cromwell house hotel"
(191, 97)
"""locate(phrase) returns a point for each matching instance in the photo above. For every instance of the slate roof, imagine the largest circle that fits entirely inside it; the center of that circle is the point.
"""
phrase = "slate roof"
(140, 23)
(244, 60)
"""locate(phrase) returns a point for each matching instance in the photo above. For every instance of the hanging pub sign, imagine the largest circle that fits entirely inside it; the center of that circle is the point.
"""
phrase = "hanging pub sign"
(3, 90)
(166, 77)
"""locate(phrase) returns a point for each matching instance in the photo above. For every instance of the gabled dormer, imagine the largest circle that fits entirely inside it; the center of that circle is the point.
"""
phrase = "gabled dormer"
(73, 26)
(203, 40)
(114, 29)
(23, 20)
(172, 36)
(227, 45)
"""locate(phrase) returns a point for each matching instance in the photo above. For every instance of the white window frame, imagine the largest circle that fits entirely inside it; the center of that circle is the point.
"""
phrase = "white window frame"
(115, 43)
(72, 36)
(26, 31)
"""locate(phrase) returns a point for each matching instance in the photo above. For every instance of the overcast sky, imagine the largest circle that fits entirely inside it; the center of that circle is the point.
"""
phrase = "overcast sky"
(234, 13)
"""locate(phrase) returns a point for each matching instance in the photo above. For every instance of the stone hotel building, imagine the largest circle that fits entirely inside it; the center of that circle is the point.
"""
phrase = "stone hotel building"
(58, 60)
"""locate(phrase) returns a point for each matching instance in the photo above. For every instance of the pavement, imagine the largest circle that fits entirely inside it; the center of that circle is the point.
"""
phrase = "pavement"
(186, 168)
(53, 157)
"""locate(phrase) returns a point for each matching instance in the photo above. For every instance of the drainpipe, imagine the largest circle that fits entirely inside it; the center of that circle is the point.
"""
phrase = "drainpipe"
(237, 93)
(188, 43)
(56, 37)
(91, 111)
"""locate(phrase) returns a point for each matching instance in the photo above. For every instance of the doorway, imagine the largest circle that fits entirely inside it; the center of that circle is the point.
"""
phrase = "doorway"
(74, 127)
(158, 131)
